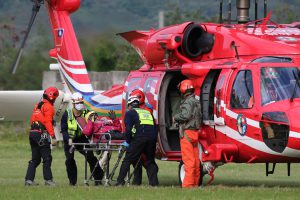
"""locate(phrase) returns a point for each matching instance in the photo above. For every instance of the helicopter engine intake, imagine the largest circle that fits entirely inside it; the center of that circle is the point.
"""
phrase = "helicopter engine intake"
(183, 42)
(196, 41)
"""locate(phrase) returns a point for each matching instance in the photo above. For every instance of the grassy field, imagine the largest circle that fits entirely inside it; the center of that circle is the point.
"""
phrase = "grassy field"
(232, 181)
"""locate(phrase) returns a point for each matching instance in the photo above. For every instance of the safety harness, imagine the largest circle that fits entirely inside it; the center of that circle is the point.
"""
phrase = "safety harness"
(37, 126)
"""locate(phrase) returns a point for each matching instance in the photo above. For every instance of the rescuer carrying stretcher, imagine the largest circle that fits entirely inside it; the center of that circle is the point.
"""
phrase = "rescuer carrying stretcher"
(71, 129)
(141, 136)
(138, 172)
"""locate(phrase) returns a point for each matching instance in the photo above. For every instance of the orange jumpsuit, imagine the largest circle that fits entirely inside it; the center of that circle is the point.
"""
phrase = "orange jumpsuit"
(190, 158)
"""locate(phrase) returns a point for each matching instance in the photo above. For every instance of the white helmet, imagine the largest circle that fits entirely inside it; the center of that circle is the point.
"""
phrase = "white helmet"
(132, 100)
(77, 97)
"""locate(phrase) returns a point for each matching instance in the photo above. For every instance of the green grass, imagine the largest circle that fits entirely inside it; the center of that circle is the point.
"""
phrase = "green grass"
(232, 181)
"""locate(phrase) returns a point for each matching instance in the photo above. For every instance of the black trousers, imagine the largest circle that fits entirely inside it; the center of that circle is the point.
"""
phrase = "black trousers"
(40, 149)
(133, 153)
(138, 172)
(71, 163)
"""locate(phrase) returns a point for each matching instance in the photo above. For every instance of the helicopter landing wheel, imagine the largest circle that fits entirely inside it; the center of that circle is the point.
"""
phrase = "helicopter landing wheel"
(181, 173)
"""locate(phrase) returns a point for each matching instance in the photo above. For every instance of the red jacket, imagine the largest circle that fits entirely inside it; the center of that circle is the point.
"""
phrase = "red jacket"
(44, 116)
(101, 126)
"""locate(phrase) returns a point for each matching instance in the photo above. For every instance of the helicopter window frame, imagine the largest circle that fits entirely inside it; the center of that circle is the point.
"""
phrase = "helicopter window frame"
(244, 91)
(275, 84)
(148, 87)
(273, 59)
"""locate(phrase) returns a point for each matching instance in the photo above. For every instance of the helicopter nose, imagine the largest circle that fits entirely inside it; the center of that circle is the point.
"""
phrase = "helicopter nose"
(294, 118)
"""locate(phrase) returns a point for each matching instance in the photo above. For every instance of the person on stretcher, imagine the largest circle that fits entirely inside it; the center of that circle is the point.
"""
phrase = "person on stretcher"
(97, 125)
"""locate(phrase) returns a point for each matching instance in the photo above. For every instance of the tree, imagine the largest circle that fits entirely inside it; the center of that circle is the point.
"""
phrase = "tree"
(33, 62)
(104, 53)
(179, 15)
(285, 14)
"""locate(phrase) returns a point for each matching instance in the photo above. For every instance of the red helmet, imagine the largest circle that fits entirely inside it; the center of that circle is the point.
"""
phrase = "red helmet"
(139, 94)
(52, 93)
(185, 85)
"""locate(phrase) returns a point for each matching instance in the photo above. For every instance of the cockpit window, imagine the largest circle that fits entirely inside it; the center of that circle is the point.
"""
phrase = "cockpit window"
(242, 91)
(279, 83)
(273, 59)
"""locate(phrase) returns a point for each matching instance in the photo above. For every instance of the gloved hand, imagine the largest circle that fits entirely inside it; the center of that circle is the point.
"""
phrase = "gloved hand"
(70, 142)
(112, 114)
(125, 144)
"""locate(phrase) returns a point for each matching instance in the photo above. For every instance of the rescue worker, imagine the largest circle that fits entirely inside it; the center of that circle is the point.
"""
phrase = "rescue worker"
(72, 133)
(39, 137)
(141, 136)
(138, 173)
(189, 119)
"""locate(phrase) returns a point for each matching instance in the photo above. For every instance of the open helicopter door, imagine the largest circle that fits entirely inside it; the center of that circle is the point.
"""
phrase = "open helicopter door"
(168, 105)
(161, 92)
(149, 83)
(133, 81)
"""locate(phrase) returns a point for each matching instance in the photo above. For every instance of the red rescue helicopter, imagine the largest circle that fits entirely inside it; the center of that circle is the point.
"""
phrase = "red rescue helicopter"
(246, 76)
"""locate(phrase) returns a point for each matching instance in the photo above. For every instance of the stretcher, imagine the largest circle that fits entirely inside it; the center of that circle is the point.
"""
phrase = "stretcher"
(99, 147)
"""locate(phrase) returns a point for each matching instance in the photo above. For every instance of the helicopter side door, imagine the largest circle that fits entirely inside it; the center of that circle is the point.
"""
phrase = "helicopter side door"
(242, 114)
(133, 81)
(220, 96)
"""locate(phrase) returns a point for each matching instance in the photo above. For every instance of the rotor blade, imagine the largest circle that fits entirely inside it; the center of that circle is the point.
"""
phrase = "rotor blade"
(35, 10)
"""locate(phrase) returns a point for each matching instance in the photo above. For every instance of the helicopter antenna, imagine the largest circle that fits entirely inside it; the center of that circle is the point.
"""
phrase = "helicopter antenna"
(229, 12)
(221, 12)
(233, 45)
(265, 8)
(35, 9)
(256, 16)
